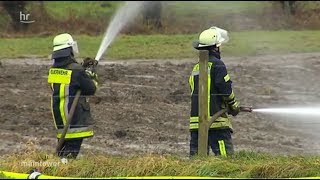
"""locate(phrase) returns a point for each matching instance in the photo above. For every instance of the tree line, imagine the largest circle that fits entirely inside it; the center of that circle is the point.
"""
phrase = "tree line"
(151, 13)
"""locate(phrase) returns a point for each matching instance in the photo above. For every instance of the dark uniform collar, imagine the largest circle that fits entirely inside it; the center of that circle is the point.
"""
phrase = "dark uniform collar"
(214, 54)
(63, 61)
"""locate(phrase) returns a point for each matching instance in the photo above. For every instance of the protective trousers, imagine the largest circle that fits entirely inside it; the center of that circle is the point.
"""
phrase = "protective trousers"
(219, 140)
(70, 148)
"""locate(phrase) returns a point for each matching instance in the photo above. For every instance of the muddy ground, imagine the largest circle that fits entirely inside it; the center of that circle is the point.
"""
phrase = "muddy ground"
(143, 106)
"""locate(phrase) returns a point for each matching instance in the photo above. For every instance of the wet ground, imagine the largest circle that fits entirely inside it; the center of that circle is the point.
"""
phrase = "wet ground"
(143, 106)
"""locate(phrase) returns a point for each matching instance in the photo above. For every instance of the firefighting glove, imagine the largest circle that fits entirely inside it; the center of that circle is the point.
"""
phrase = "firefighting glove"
(234, 107)
(89, 63)
(93, 76)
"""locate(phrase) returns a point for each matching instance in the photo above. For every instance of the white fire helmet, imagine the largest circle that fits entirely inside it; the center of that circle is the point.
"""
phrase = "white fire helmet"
(210, 37)
(61, 42)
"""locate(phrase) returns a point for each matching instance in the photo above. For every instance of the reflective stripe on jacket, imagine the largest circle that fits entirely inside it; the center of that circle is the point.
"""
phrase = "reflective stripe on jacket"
(65, 78)
(219, 88)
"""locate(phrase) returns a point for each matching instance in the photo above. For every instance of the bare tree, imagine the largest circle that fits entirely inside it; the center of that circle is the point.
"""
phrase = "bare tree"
(152, 13)
(289, 7)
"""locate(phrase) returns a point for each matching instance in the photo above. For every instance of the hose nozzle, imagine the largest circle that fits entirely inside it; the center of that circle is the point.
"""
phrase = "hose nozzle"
(246, 108)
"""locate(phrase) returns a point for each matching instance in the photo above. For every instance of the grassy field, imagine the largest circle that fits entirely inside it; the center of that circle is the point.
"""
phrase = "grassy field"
(243, 164)
(84, 9)
(181, 8)
(245, 43)
(101, 11)
(187, 8)
(92, 17)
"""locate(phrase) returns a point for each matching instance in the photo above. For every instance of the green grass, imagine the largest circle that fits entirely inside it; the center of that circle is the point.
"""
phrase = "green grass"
(82, 9)
(245, 43)
(243, 164)
(100, 8)
(91, 17)
(59, 9)
(309, 5)
(217, 7)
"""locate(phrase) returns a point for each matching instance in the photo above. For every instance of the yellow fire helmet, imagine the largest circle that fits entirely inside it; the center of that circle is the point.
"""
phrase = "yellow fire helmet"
(210, 37)
(61, 44)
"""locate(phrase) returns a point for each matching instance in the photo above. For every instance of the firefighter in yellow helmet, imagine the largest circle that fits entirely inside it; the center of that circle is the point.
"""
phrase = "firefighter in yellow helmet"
(66, 77)
(221, 94)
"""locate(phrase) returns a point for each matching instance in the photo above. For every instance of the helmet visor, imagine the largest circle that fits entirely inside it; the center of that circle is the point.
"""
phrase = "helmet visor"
(74, 46)
(223, 35)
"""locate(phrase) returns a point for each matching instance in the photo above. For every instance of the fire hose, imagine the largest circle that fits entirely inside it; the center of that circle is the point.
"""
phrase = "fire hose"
(69, 119)
(223, 111)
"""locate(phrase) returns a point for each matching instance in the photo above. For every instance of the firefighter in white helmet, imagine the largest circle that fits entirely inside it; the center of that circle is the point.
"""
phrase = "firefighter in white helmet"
(66, 77)
(221, 94)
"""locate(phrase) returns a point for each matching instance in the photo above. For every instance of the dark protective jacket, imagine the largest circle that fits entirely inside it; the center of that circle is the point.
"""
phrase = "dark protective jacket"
(219, 92)
(66, 77)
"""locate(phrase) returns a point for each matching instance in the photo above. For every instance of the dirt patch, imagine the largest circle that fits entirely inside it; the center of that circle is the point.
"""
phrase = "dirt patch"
(143, 106)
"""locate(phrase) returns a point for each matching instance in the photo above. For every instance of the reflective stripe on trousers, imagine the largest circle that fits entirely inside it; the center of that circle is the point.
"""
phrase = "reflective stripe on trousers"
(73, 133)
(220, 122)
(222, 148)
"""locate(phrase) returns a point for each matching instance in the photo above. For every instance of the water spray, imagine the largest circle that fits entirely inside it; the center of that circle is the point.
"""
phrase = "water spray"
(294, 111)
(123, 17)
(310, 111)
